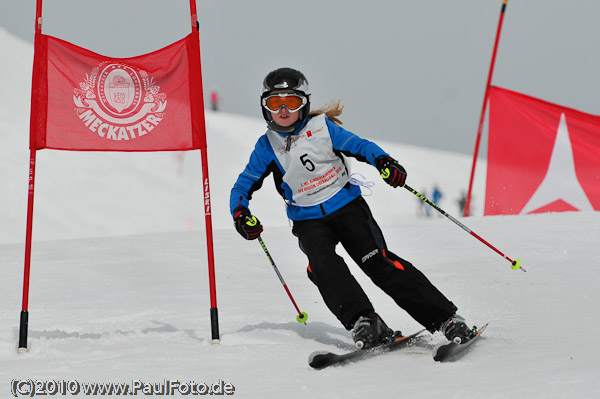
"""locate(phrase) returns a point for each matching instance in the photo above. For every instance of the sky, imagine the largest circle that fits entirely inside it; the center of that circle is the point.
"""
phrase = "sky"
(410, 72)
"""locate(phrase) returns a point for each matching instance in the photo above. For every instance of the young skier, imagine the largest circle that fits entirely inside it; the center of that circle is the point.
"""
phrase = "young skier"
(303, 151)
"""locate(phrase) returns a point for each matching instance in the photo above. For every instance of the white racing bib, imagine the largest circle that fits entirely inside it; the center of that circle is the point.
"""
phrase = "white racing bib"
(312, 170)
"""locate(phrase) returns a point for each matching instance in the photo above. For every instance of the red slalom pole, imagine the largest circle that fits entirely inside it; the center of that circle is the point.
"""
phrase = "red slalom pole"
(24, 319)
(516, 264)
(214, 314)
(482, 116)
(302, 316)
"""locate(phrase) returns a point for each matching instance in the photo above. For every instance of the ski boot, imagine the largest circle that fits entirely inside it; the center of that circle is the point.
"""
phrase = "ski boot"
(369, 331)
(456, 330)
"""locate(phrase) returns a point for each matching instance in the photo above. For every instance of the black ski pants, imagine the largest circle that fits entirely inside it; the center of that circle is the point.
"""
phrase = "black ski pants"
(354, 227)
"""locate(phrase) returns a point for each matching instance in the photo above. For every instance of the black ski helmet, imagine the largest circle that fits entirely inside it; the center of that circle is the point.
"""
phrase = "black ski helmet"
(285, 79)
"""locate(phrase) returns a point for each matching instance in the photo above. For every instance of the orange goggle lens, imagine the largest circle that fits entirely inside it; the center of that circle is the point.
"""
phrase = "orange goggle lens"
(292, 102)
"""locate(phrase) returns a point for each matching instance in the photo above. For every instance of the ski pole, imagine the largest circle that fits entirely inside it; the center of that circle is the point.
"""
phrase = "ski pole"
(516, 264)
(302, 316)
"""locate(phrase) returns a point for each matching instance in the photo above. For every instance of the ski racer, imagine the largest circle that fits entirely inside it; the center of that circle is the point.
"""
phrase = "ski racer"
(303, 150)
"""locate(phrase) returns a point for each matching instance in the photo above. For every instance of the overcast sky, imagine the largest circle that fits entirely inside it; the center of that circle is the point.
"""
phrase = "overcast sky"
(407, 71)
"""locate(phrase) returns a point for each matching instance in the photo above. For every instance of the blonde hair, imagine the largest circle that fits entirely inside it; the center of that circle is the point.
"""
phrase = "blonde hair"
(331, 111)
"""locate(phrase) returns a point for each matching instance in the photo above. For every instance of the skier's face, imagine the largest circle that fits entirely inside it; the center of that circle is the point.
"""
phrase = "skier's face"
(284, 117)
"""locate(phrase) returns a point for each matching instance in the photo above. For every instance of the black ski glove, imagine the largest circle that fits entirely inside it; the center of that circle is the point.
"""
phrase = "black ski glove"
(391, 171)
(247, 225)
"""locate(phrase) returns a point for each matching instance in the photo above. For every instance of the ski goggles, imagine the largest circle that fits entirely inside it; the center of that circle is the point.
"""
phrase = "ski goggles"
(293, 102)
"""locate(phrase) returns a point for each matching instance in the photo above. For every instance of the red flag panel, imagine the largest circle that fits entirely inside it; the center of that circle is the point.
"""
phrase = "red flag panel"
(542, 157)
(85, 101)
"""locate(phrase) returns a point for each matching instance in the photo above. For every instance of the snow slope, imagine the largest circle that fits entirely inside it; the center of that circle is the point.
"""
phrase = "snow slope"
(120, 309)
(119, 283)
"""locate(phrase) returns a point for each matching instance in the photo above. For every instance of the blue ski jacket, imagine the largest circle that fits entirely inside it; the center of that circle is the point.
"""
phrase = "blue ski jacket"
(263, 162)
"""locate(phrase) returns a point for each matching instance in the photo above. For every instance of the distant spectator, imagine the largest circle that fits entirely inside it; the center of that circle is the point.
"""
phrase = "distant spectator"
(462, 202)
(214, 100)
(179, 158)
(423, 209)
(437, 195)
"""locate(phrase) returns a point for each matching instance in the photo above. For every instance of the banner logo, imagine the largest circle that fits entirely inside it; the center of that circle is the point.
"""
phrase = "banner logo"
(542, 157)
(119, 102)
(560, 189)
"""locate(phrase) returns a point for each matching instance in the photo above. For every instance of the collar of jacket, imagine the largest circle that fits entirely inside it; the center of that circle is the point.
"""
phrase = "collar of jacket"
(296, 130)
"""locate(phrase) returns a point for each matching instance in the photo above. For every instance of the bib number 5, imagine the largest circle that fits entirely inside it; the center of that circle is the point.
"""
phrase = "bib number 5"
(308, 164)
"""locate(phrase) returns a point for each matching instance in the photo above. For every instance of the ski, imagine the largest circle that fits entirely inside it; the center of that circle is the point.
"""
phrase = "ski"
(451, 350)
(320, 359)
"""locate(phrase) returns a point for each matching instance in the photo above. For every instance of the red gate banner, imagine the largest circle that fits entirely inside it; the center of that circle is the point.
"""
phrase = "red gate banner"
(84, 101)
(88, 102)
(542, 157)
